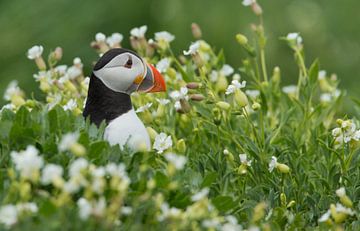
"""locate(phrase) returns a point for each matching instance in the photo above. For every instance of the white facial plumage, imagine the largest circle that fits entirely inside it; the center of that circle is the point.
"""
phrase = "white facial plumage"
(120, 73)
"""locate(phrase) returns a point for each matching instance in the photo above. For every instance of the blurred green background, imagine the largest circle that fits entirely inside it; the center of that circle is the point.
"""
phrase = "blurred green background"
(330, 30)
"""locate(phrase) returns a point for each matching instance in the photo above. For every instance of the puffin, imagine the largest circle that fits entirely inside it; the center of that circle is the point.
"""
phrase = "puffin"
(118, 73)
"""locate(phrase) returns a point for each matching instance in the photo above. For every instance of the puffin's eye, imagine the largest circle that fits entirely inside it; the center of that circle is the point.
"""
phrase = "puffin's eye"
(129, 63)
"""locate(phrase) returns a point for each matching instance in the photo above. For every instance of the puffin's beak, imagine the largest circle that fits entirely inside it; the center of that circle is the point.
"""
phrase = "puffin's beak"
(153, 81)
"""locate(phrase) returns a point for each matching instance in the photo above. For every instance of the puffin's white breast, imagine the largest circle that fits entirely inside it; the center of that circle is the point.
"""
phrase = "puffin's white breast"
(127, 129)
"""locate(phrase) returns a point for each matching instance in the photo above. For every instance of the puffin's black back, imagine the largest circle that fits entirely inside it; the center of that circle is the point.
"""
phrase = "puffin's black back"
(103, 103)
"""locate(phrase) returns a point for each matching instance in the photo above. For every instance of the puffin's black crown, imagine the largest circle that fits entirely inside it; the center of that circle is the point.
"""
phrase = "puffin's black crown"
(109, 55)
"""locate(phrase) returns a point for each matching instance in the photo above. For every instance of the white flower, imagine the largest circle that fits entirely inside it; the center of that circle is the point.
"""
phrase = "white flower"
(210, 223)
(294, 37)
(163, 101)
(341, 209)
(164, 36)
(68, 140)
(227, 70)
(84, 208)
(70, 105)
(126, 210)
(325, 216)
(336, 132)
(77, 167)
(114, 39)
(12, 90)
(194, 47)
(235, 84)
(231, 225)
(77, 61)
(162, 142)
(273, 163)
(167, 212)
(252, 93)
(8, 106)
(100, 37)
(177, 95)
(356, 135)
(291, 89)
(214, 76)
(177, 105)
(163, 65)
(200, 195)
(322, 74)
(325, 97)
(143, 108)
(177, 160)
(50, 173)
(27, 207)
(73, 72)
(248, 2)
(244, 160)
(8, 215)
(340, 192)
(139, 32)
(61, 69)
(27, 162)
(35, 52)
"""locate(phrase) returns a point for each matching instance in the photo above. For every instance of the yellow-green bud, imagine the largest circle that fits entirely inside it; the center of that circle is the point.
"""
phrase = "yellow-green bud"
(216, 115)
(40, 63)
(240, 98)
(338, 217)
(171, 72)
(221, 83)
(242, 169)
(223, 105)
(283, 199)
(256, 106)
(152, 133)
(346, 201)
(78, 149)
(259, 212)
(283, 168)
(181, 146)
(17, 100)
(276, 75)
(291, 204)
(241, 39)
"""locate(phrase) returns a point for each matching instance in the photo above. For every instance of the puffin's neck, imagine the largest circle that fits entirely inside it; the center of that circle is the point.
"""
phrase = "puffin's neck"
(103, 103)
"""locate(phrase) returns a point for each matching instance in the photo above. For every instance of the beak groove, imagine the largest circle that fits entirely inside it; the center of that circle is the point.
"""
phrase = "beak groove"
(153, 81)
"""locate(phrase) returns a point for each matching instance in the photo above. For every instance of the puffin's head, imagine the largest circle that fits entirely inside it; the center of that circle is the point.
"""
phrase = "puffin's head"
(124, 71)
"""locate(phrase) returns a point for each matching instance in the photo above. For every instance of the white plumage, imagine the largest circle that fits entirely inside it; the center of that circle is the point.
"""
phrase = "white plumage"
(127, 129)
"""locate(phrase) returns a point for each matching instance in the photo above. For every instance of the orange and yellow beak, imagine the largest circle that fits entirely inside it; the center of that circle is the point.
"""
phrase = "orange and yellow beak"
(153, 81)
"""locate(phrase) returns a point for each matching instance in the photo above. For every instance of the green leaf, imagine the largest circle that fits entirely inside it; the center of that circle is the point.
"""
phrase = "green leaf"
(314, 72)
(209, 179)
(223, 203)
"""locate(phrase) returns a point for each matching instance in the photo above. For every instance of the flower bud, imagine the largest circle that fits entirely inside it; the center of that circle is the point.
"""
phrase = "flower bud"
(256, 106)
(241, 39)
(171, 72)
(291, 204)
(216, 116)
(223, 105)
(17, 100)
(58, 53)
(240, 98)
(229, 156)
(338, 217)
(196, 31)
(185, 106)
(259, 212)
(193, 85)
(283, 168)
(276, 75)
(221, 83)
(197, 97)
(181, 146)
(346, 201)
(256, 8)
(40, 63)
(283, 199)
(242, 169)
(78, 149)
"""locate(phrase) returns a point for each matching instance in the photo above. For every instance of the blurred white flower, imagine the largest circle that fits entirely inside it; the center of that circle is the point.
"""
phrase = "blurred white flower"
(273, 163)
(235, 84)
(163, 101)
(231, 225)
(294, 37)
(61, 69)
(28, 162)
(248, 2)
(325, 217)
(114, 39)
(227, 70)
(68, 140)
(77, 61)
(8, 215)
(182, 94)
(139, 32)
(163, 65)
(51, 173)
(84, 208)
(340, 192)
(100, 37)
(291, 89)
(70, 105)
(194, 47)
(12, 90)
(252, 93)
(322, 74)
(8, 106)
(200, 195)
(35, 52)
(244, 160)
(143, 108)
(87, 208)
(77, 167)
(213, 76)
(177, 160)
(177, 105)
(73, 72)
(164, 36)
(342, 209)
(162, 142)
(167, 212)
(27, 207)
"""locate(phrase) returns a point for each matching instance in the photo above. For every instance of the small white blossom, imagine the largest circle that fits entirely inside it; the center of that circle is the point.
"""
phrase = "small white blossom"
(100, 37)
(340, 192)
(84, 208)
(162, 142)
(200, 195)
(35, 52)
(244, 160)
(27, 207)
(342, 209)
(12, 90)
(294, 37)
(227, 70)
(235, 84)
(322, 74)
(143, 108)
(291, 89)
(325, 97)
(8, 106)
(213, 76)
(164, 36)
(114, 39)
(70, 105)
(50, 173)
(273, 163)
(67, 141)
(167, 212)
(325, 216)
(177, 95)
(77, 167)
(73, 72)
(253, 93)
(177, 105)
(126, 210)
(61, 69)
(77, 61)
(139, 32)
(27, 162)
(177, 160)
(163, 101)
(248, 2)
(194, 47)
(8, 215)
(163, 65)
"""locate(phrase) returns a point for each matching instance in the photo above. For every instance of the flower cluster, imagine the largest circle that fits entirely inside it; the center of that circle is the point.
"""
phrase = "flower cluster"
(345, 133)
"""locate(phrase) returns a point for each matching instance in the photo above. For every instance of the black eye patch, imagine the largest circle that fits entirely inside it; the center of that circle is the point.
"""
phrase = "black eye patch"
(110, 54)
